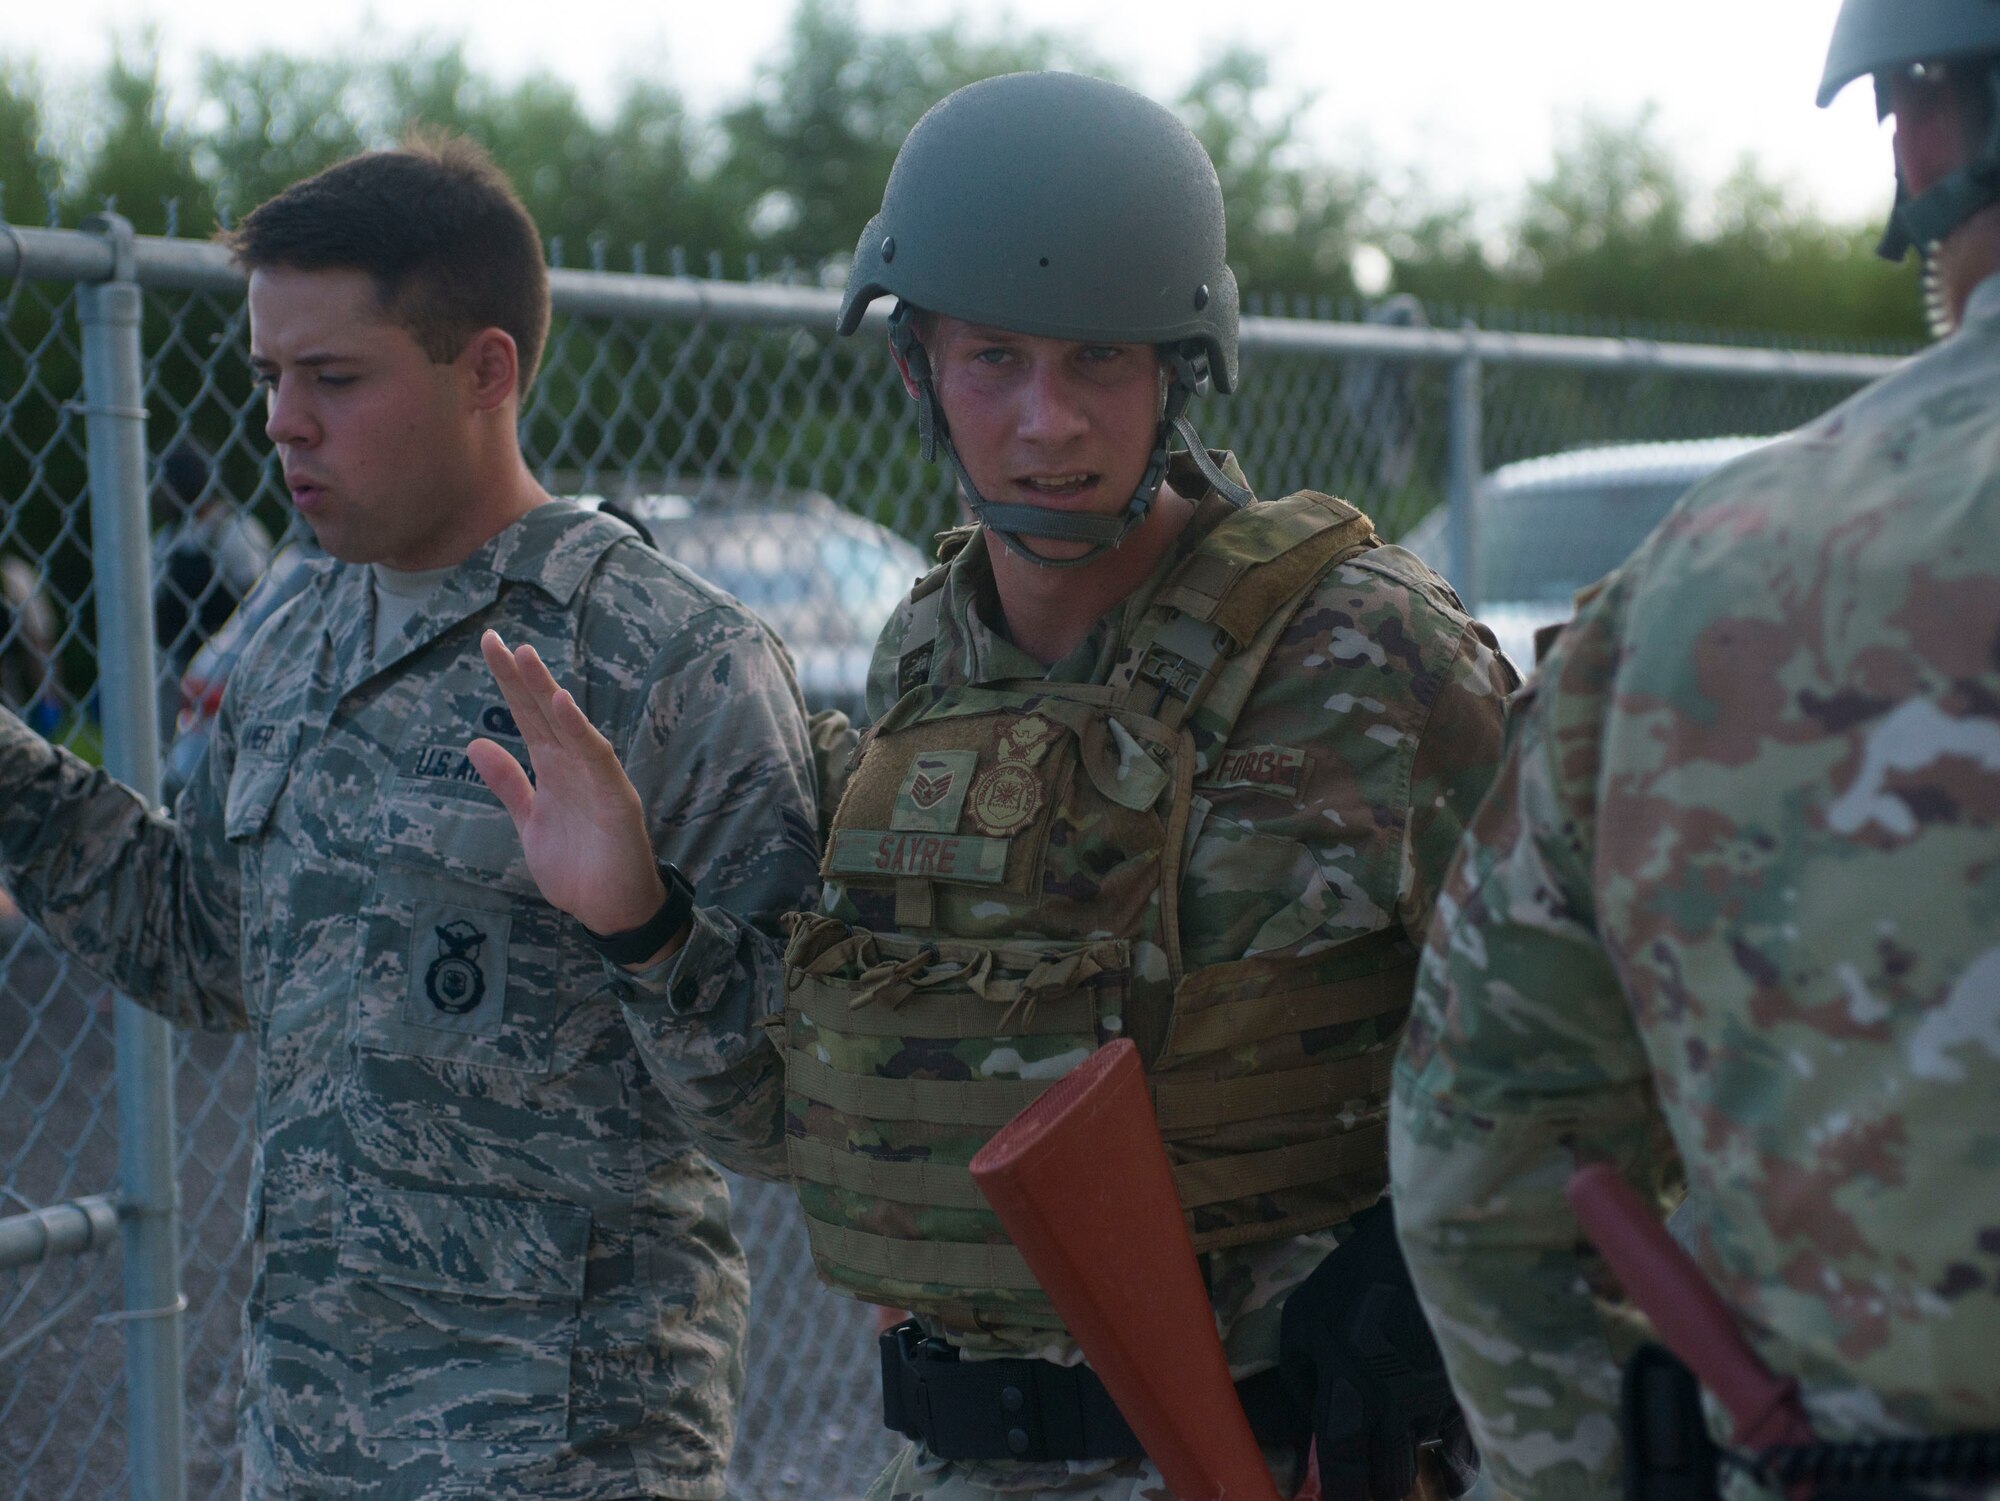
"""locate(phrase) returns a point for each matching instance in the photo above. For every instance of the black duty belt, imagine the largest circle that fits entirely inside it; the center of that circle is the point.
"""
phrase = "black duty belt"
(1033, 1409)
(1668, 1452)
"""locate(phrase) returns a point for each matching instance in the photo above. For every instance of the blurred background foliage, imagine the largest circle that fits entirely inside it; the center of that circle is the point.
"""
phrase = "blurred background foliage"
(1613, 231)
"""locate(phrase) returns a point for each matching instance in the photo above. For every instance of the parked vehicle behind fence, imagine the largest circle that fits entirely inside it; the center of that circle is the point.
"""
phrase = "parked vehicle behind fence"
(824, 578)
(1549, 526)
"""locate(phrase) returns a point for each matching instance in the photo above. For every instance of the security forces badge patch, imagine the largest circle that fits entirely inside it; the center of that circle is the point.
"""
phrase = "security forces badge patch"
(454, 982)
(1008, 795)
(458, 969)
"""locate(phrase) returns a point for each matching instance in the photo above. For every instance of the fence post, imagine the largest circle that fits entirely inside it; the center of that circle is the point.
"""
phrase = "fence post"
(1466, 468)
(148, 1198)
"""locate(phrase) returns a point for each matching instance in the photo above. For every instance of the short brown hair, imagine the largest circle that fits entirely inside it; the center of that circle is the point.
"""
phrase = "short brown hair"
(435, 224)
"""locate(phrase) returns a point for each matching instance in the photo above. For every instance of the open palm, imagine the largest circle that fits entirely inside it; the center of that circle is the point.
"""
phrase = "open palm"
(581, 823)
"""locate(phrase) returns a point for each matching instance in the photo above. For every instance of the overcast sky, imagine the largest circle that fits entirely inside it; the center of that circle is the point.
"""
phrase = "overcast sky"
(1470, 93)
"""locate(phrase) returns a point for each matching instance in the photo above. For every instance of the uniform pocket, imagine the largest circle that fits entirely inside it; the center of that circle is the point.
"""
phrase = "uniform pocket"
(459, 970)
(263, 766)
(463, 956)
(466, 1312)
(438, 813)
(263, 769)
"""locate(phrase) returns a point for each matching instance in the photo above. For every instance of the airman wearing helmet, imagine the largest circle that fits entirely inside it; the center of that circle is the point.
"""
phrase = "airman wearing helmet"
(1936, 67)
(1727, 920)
(1149, 758)
(1141, 743)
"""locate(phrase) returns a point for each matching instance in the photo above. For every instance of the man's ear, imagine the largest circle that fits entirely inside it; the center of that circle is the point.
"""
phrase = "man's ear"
(492, 365)
(902, 359)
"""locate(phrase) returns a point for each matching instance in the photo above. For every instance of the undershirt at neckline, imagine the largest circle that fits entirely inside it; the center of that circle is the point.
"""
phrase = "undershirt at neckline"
(399, 594)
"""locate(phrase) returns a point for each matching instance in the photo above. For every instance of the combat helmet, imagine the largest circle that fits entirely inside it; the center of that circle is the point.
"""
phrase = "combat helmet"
(1062, 206)
(1878, 37)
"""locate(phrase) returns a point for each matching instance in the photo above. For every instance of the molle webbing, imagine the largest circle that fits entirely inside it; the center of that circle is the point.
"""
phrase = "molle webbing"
(1184, 1106)
(1241, 1175)
(942, 1102)
(939, 1263)
(1230, 599)
(1253, 563)
(1253, 1020)
(891, 987)
(908, 1046)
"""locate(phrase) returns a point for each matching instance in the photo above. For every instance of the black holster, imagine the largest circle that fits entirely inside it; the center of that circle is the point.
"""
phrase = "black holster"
(1669, 1455)
(1357, 1353)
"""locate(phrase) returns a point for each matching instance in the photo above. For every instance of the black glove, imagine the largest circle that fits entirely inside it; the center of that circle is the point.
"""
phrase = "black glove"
(1355, 1353)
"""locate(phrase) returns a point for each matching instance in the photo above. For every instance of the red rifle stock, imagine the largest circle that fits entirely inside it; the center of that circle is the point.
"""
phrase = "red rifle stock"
(1081, 1182)
(1691, 1318)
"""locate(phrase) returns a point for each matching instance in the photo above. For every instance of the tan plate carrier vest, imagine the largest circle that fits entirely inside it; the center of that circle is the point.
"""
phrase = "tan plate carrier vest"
(1014, 851)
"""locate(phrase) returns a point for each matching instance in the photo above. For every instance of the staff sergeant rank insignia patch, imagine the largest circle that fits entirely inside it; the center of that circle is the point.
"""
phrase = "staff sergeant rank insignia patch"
(933, 793)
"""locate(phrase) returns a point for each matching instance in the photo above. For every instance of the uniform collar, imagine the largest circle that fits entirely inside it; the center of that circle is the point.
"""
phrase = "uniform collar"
(553, 549)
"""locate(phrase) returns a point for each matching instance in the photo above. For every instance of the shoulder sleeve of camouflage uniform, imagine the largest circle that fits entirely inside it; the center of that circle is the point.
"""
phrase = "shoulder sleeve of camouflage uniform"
(719, 755)
(1372, 731)
(1462, 683)
(1520, 1062)
(882, 691)
(150, 903)
(833, 741)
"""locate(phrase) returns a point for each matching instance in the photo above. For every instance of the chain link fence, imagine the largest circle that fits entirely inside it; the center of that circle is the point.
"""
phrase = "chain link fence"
(650, 385)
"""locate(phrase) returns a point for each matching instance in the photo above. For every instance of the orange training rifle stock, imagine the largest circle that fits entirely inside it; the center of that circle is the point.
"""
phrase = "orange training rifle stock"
(1081, 1182)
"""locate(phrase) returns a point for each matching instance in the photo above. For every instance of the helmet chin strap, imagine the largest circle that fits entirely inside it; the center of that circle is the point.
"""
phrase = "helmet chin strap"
(1013, 524)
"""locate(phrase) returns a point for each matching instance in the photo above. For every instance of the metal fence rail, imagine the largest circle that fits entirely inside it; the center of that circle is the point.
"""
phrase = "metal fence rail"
(114, 350)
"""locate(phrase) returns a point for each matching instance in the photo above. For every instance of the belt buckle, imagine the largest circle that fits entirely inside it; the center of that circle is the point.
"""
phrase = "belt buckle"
(906, 1349)
(914, 1345)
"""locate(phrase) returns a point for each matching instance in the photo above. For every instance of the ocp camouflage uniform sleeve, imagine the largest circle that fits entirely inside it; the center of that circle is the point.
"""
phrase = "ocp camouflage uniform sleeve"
(1382, 706)
(1520, 1062)
(1399, 702)
(151, 904)
(1452, 765)
(881, 691)
(722, 765)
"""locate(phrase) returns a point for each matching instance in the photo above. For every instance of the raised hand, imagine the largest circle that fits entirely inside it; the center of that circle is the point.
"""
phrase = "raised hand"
(581, 823)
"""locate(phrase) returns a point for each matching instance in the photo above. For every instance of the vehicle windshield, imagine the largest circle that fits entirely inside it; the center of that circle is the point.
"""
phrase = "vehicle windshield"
(1549, 543)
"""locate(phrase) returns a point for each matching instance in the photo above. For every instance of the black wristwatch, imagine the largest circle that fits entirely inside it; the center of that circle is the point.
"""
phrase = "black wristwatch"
(652, 935)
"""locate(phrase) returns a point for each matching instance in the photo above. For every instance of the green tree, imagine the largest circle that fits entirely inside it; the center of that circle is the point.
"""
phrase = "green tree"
(142, 161)
(29, 171)
(281, 118)
(1615, 231)
(1293, 219)
(808, 154)
(632, 182)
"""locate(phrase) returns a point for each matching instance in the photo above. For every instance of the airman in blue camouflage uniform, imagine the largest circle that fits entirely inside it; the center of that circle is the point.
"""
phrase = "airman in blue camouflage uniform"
(1732, 912)
(491, 1257)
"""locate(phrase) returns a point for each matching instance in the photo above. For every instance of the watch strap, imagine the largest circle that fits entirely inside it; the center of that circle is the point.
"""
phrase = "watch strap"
(641, 943)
